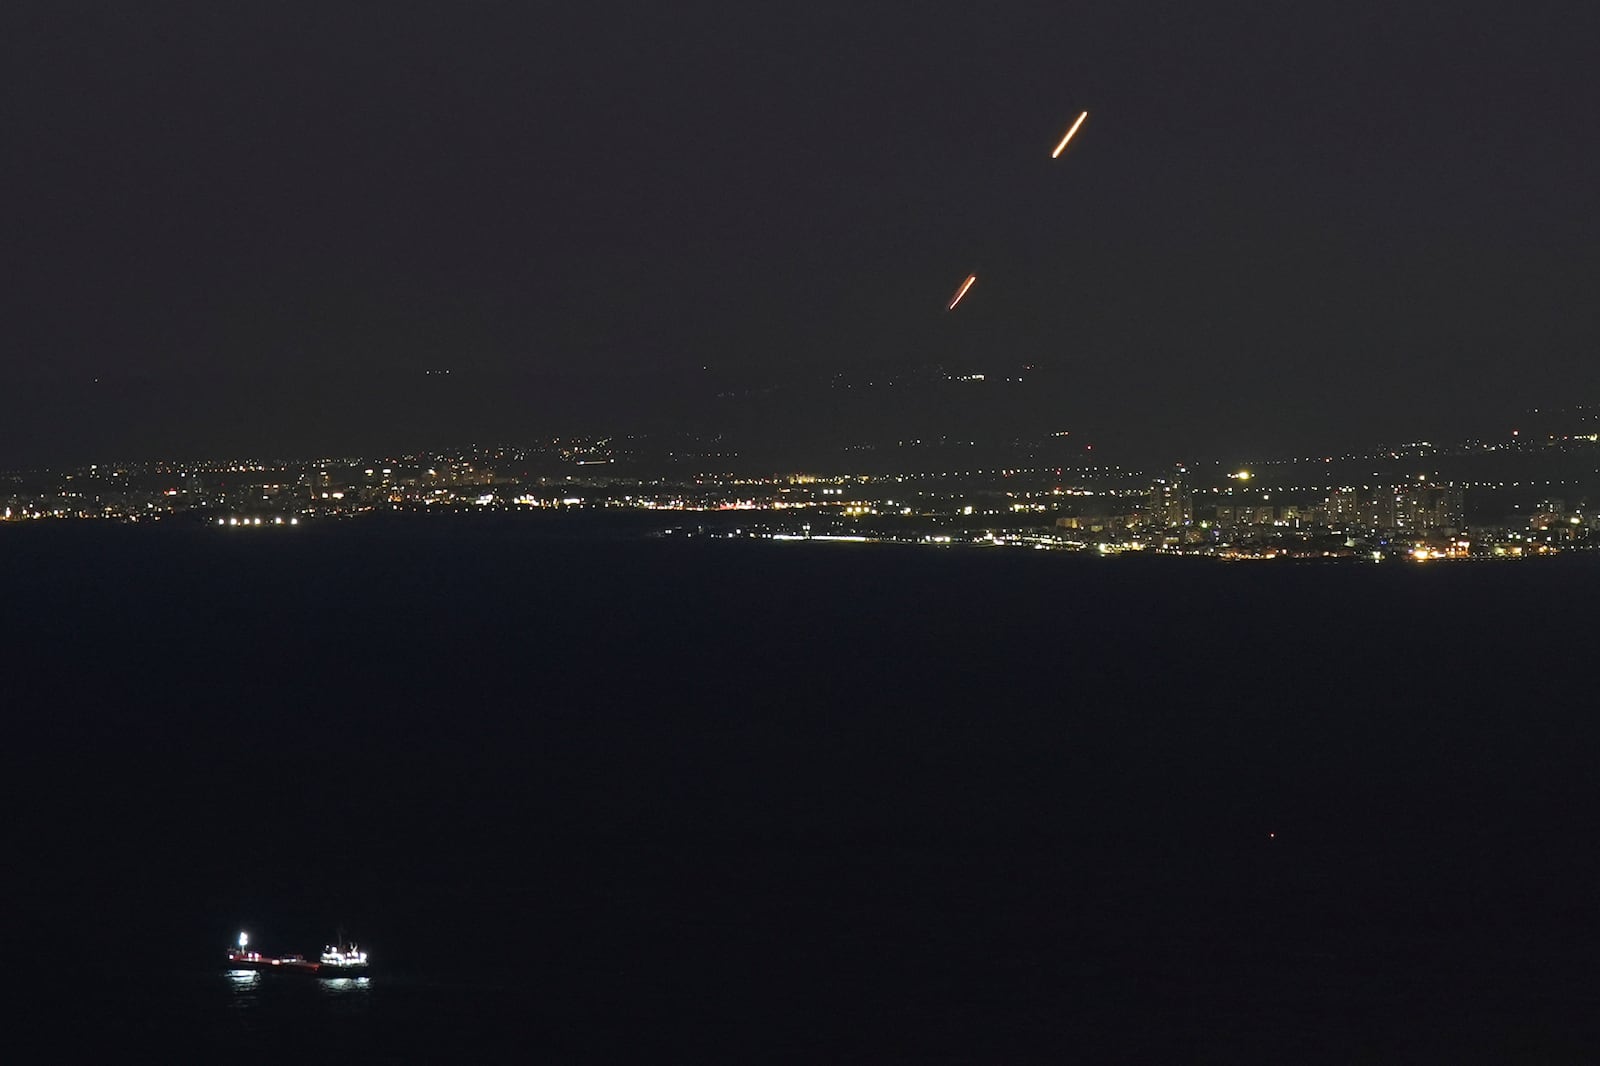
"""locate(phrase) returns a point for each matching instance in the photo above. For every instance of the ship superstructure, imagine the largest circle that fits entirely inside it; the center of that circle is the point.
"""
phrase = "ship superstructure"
(343, 960)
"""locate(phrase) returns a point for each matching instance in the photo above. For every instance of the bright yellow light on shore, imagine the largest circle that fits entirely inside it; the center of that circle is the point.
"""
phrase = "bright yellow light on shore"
(1062, 147)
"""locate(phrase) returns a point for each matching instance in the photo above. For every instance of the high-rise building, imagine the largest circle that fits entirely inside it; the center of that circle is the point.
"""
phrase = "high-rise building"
(1170, 505)
(1341, 506)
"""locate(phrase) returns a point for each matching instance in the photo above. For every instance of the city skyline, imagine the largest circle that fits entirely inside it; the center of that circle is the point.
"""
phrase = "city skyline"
(1516, 497)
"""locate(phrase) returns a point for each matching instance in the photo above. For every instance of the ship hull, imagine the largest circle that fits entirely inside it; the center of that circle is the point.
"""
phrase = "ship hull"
(297, 968)
(341, 973)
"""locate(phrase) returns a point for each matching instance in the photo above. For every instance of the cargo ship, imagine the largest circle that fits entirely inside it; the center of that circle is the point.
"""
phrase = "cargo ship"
(338, 960)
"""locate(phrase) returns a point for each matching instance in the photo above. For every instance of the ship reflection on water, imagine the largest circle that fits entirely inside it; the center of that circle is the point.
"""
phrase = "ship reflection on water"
(344, 986)
(252, 990)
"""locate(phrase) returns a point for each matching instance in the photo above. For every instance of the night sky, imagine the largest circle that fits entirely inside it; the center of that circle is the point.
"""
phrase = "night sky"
(252, 228)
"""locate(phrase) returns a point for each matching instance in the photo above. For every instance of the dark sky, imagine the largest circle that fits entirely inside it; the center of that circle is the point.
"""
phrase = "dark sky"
(258, 224)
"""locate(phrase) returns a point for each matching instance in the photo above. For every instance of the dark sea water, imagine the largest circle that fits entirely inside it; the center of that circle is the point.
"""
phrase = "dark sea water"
(589, 798)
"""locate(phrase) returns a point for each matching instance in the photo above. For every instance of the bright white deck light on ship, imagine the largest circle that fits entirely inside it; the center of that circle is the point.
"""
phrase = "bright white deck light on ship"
(244, 938)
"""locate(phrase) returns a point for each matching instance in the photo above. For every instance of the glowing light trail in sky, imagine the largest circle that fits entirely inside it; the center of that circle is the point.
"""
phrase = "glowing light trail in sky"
(1063, 145)
(965, 285)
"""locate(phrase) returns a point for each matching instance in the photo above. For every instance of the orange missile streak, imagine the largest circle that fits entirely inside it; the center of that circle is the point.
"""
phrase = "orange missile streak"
(1062, 147)
(965, 285)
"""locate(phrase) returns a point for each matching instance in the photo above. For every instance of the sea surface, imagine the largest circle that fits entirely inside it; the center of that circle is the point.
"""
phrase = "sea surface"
(588, 796)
